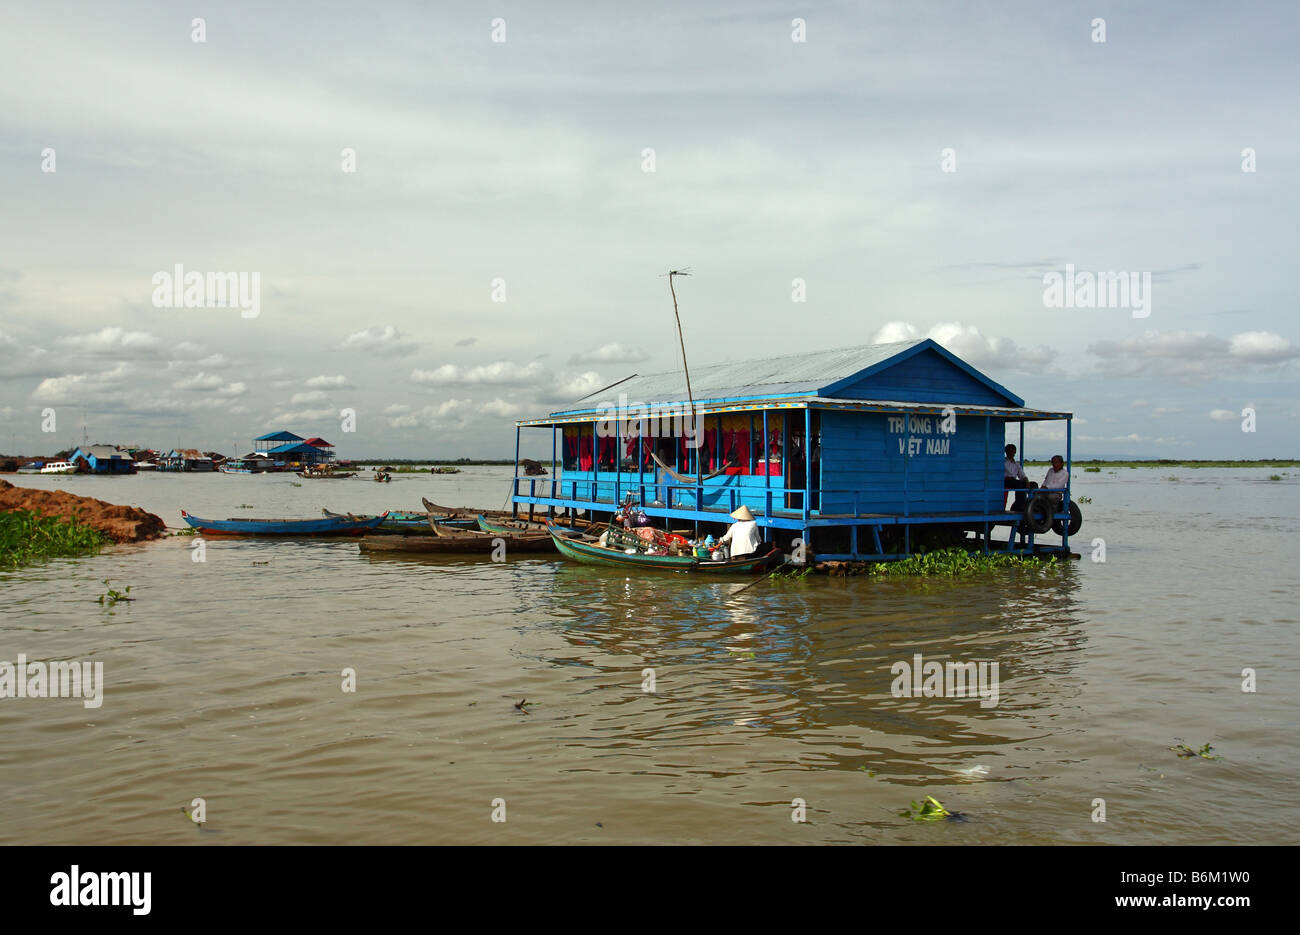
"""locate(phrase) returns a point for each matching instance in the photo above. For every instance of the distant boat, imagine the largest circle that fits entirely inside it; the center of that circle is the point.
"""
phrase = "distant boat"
(229, 468)
(577, 548)
(59, 467)
(325, 526)
(326, 475)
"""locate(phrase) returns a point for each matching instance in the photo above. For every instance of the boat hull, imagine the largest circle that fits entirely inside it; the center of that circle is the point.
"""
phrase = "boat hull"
(326, 526)
(591, 554)
(475, 544)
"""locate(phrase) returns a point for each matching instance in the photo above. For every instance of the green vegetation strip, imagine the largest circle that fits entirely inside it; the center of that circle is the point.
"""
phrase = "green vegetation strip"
(27, 537)
(952, 562)
(1188, 464)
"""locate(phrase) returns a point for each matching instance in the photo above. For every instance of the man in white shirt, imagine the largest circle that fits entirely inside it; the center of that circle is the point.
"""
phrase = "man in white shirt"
(743, 534)
(1058, 478)
(1013, 477)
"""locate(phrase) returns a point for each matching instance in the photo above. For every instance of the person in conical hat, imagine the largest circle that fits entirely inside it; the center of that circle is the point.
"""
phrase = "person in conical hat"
(743, 534)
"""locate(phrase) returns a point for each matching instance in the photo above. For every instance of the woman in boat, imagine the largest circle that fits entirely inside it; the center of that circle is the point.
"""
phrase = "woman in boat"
(743, 535)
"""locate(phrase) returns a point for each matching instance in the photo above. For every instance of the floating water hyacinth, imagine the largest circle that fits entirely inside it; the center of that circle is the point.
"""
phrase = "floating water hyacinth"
(931, 809)
(27, 537)
(1187, 752)
(113, 596)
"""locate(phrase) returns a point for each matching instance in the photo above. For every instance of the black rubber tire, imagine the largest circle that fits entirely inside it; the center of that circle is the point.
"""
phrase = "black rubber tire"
(1038, 514)
(1076, 520)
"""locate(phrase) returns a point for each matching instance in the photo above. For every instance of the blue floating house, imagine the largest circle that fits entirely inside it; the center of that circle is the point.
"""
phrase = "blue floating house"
(103, 459)
(285, 448)
(850, 450)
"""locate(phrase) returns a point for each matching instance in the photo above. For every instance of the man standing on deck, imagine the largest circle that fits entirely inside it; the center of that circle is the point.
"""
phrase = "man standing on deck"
(1013, 476)
(743, 534)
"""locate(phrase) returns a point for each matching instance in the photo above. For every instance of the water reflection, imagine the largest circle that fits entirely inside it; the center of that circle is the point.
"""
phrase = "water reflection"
(808, 662)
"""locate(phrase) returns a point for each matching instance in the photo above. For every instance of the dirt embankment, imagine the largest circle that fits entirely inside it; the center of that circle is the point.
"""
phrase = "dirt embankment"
(119, 523)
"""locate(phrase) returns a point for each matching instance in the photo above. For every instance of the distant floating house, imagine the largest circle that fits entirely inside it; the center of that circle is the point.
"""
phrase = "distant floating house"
(286, 449)
(102, 459)
(848, 450)
(186, 459)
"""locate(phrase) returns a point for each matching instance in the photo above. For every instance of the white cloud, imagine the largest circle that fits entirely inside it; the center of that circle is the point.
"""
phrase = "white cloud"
(81, 387)
(382, 342)
(497, 373)
(971, 345)
(233, 389)
(302, 399)
(112, 341)
(298, 417)
(1261, 347)
(451, 413)
(198, 381)
(1223, 415)
(1191, 355)
(500, 407)
(610, 354)
(323, 382)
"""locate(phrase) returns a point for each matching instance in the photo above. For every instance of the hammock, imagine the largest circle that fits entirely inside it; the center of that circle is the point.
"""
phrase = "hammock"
(682, 478)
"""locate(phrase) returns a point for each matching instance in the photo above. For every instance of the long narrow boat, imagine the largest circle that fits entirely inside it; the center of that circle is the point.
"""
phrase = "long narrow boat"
(408, 522)
(325, 526)
(463, 511)
(510, 526)
(326, 475)
(592, 553)
(448, 541)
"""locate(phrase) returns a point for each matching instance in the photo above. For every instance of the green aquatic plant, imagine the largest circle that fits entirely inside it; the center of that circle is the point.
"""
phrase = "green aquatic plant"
(1275, 477)
(952, 562)
(931, 809)
(245, 506)
(187, 531)
(1083, 499)
(113, 596)
(27, 537)
(1092, 470)
(1187, 752)
(294, 483)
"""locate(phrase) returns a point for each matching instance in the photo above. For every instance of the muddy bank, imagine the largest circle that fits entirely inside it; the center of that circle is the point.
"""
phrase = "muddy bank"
(118, 523)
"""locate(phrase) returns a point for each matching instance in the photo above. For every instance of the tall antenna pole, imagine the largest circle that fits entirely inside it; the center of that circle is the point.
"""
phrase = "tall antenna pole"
(687, 370)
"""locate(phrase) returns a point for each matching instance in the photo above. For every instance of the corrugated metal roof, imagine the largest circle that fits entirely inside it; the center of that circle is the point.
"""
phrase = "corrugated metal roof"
(790, 374)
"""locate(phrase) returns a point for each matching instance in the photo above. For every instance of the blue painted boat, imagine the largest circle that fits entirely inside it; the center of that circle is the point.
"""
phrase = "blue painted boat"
(325, 526)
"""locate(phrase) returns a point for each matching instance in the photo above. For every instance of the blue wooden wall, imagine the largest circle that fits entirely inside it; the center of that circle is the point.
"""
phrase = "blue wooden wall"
(924, 378)
(865, 452)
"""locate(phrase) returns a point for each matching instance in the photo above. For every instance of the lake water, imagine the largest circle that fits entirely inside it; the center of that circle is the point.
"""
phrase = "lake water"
(223, 681)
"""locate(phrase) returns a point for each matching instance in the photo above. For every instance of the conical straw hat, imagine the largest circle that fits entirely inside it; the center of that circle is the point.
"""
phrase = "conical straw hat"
(742, 513)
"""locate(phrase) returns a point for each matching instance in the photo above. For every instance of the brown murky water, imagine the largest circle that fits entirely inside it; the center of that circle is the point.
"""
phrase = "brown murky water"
(223, 680)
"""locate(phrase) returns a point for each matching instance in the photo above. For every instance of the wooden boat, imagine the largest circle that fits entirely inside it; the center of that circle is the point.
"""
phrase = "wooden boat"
(592, 553)
(450, 541)
(510, 526)
(464, 511)
(407, 522)
(325, 526)
(326, 475)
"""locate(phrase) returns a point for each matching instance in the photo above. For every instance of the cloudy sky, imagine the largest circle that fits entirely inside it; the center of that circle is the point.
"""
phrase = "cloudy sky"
(918, 166)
